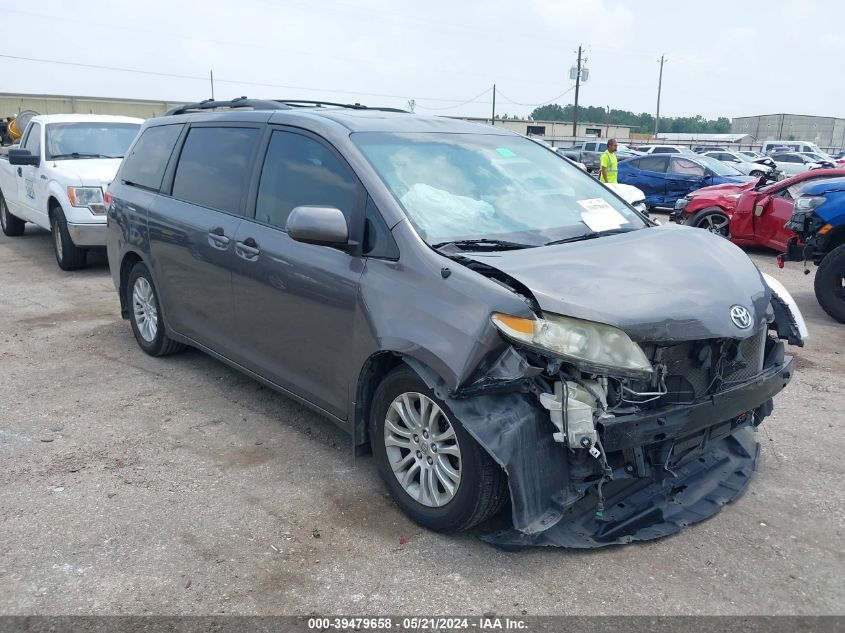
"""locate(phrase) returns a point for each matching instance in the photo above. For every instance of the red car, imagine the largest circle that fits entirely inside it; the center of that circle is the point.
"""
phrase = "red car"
(750, 214)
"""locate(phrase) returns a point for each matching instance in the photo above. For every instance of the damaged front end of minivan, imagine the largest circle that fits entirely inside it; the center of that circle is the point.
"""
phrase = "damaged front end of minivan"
(609, 437)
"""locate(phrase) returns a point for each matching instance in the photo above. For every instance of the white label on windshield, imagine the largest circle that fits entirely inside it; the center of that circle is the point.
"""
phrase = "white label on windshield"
(598, 215)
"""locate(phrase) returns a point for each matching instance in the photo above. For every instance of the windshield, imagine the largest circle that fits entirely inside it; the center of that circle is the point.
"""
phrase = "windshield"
(815, 156)
(718, 167)
(456, 187)
(89, 139)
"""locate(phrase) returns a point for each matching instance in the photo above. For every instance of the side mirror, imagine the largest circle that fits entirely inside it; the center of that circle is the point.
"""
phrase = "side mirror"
(23, 157)
(318, 225)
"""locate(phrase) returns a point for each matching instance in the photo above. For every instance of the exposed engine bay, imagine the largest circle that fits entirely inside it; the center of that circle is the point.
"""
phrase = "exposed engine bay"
(597, 457)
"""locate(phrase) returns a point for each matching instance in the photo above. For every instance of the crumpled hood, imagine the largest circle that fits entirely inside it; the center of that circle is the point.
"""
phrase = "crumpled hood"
(94, 172)
(724, 189)
(666, 283)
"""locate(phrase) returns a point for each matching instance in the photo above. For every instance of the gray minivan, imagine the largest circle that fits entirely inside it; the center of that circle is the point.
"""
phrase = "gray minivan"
(492, 323)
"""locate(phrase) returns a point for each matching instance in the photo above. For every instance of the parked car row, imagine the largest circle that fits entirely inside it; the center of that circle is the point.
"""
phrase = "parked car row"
(803, 216)
(473, 309)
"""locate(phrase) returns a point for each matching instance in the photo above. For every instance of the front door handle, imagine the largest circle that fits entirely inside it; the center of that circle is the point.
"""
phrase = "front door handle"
(248, 249)
(217, 238)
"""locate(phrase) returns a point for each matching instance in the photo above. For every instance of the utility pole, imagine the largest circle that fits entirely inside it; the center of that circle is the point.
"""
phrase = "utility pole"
(493, 117)
(577, 87)
(659, 87)
(211, 76)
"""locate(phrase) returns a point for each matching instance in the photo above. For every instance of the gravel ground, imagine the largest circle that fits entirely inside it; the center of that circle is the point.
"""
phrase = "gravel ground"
(133, 485)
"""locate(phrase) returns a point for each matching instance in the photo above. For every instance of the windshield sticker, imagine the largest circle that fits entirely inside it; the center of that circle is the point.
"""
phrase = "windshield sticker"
(504, 151)
(598, 215)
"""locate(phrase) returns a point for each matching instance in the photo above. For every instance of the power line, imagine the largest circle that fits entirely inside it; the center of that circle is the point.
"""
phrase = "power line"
(230, 81)
(553, 99)
(474, 99)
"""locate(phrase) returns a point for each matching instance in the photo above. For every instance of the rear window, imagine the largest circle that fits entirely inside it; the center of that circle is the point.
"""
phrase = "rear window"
(147, 161)
(212, 170)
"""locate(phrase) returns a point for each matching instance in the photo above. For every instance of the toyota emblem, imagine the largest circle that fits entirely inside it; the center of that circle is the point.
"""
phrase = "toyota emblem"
(741, 317)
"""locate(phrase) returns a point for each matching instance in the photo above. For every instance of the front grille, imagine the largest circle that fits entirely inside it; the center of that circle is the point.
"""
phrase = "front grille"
(695, 369)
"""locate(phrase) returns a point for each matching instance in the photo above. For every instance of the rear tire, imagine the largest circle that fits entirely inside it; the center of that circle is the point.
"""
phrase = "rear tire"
(830, 283)
(145, 314)
(12, 226)
(68, 255)
(403, 452)
(712, 219)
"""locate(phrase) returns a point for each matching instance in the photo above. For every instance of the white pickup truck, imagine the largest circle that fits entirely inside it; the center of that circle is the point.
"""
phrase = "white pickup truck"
(56, 178)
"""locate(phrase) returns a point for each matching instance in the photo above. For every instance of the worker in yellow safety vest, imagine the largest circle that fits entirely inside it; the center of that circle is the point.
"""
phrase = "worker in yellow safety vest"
(609, 163)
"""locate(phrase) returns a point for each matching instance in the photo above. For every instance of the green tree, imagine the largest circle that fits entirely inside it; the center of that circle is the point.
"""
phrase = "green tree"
(644, 122)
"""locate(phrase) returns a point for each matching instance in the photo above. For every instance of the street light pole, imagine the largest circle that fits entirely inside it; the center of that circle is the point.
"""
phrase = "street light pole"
(659, 88)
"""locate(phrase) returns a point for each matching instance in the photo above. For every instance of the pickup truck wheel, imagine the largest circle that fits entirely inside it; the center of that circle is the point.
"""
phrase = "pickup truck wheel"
(713, 219)
(68, 255)
(12, 226)
(435, 471)
(830, 283)
(145, 314)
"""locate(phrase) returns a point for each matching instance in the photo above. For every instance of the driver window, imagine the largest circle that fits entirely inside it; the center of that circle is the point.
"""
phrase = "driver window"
(685, 167)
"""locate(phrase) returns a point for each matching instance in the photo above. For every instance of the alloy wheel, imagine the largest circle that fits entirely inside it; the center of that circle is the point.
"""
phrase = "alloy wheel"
(144, 309)
(422, 449)
(715, 223)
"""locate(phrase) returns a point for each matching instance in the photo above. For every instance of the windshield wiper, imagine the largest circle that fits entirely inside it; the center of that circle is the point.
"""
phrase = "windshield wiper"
(81, 155)
(467, 244)
(588, 236)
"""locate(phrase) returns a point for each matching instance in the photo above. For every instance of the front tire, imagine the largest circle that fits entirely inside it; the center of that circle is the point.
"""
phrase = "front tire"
(68, 255)
(12, 226)
(145, 314)
(757, 174)
(714, 220)
(435, 471)
(830, 283)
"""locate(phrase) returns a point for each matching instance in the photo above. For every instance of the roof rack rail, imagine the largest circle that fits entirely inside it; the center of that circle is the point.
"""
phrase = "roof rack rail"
(305, 103)
(240, 102)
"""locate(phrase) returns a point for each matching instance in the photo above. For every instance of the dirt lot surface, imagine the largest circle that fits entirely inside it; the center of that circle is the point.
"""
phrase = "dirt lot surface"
(135, 485)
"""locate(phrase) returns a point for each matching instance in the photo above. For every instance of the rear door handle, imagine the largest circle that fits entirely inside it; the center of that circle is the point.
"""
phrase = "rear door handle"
(248, 249)
(217, 238)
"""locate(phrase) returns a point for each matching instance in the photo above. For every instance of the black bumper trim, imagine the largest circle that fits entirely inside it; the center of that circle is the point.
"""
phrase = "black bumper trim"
(637, 430)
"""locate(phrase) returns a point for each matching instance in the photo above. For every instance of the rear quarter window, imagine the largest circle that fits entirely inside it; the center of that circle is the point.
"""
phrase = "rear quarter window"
(652, 163)
(146, 163)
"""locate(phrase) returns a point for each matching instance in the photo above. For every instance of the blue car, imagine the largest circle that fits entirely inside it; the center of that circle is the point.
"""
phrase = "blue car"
(666, 177)
(818, 217)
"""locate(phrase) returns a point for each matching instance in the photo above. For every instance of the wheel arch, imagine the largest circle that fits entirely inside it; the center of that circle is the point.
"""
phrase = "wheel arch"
(373, 371)
(693, 217)
(130, 258)
(52, 203)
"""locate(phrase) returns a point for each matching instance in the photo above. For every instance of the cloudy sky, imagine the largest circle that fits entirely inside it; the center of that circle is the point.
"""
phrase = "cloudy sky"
(726, 58)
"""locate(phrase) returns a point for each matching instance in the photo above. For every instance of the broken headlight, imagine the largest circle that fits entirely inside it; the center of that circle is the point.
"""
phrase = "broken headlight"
(808, 203)
(594, 347)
